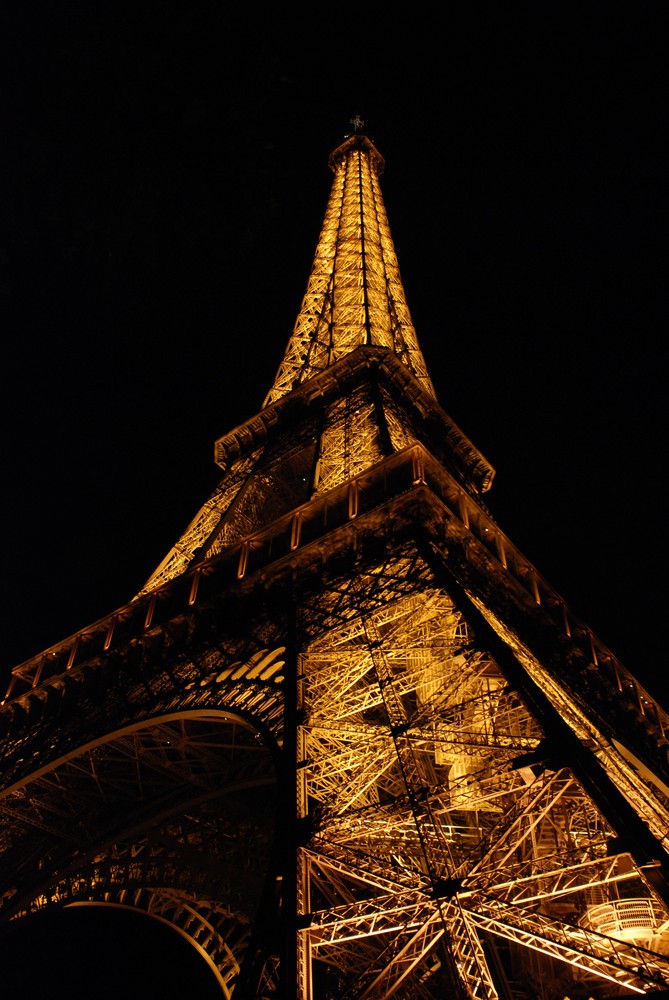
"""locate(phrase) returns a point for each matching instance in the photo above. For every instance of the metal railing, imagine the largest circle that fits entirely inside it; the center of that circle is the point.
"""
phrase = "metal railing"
(402, 472)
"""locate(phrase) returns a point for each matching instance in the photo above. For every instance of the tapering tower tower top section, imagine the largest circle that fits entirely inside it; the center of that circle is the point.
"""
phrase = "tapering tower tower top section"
(354, 295)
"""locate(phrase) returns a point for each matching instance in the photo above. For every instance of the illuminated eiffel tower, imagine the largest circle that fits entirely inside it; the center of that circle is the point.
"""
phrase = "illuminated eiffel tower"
(347, 740)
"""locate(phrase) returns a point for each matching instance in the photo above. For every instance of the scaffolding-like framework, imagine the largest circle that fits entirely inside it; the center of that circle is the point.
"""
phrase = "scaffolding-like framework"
(347, 740)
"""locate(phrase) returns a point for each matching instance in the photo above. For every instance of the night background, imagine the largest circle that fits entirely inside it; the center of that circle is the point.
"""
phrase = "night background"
(164, 182)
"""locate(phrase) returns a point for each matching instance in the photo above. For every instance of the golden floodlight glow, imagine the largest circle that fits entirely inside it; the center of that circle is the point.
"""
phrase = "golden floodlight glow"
(347, 739)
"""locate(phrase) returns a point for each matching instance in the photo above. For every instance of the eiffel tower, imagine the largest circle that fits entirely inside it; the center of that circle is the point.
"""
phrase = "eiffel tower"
(347, 740)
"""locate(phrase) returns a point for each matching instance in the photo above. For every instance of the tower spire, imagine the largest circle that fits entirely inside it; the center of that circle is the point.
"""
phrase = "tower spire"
(354, 294)
(353, 318)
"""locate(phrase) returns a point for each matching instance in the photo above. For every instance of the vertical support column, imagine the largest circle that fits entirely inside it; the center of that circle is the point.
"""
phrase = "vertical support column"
(353, 499)
(418, 466)
(501, 550)
(302, 863)
(295, 952)
(303, 940)
(301, 804)
(463, 509)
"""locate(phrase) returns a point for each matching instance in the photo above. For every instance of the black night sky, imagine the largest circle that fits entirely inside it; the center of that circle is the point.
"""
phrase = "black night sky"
(165, 178)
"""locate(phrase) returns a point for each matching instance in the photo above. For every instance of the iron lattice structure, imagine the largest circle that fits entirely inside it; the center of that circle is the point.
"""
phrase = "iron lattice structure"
(347, 739)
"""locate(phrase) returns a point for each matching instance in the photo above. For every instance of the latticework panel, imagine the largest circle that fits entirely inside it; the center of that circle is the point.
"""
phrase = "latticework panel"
(203, 525)
(354, 294)
(442, 858)
(173, 814)
(350, 441)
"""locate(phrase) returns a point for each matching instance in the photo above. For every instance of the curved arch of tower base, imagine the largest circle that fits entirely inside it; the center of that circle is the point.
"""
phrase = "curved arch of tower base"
(419, 789)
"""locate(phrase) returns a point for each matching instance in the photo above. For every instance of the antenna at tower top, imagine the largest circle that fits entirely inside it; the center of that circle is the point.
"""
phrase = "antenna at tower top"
(357, 123)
